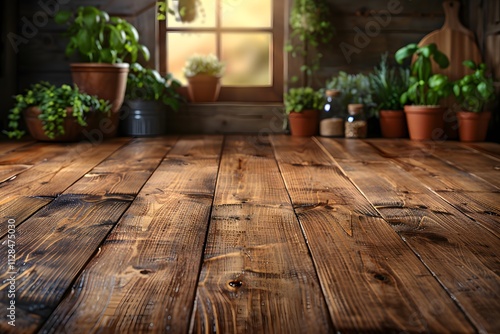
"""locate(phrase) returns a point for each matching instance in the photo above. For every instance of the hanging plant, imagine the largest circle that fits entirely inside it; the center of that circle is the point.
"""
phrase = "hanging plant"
(182, 10)
(310, 23)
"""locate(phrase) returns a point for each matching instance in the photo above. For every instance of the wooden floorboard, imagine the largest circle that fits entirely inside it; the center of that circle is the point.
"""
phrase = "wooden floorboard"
(256, 269)
(360, 259)
(459, 253)
(250, 234)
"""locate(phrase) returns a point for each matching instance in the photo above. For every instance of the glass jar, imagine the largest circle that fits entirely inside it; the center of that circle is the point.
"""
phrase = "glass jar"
(355, 124)
(332, 117)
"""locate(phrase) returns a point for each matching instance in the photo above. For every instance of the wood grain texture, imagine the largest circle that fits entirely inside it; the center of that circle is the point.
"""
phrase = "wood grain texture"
(145, 275)
(257, 276)
(371, 279)
(7, 146)
(462, 255)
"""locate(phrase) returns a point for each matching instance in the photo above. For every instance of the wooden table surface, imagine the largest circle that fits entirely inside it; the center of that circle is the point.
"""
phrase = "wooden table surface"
(250, 234)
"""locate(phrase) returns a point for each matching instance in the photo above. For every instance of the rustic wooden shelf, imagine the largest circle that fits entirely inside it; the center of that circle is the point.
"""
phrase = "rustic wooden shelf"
(251, 234)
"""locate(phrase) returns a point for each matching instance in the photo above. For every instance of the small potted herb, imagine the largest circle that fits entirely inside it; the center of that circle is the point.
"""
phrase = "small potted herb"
(302, 106)
(54, 113)
(388, 84)
(147, 99)
(203, 73)
(424, 114)
(473, 92)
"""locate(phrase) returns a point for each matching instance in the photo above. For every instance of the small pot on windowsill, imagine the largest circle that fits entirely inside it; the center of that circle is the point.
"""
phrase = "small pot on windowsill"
(203, 88)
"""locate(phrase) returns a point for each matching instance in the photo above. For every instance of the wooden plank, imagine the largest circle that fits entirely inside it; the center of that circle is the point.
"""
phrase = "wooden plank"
(53, 245)
(9, 172)
(372, 280)
(56, 167)
(7, 146)
(473, 196)
(257, 275)
(144, 277)
(488, 148)
(458, 252)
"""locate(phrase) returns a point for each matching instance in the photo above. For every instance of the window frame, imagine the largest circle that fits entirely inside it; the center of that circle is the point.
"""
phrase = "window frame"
(272, 93)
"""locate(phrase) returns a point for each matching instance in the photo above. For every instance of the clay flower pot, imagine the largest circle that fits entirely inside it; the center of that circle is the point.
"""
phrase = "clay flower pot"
(425, 122)
(108, 82)
(203, 88)
(72, 130)
(393, 124)
(473, 126)
(304, 123)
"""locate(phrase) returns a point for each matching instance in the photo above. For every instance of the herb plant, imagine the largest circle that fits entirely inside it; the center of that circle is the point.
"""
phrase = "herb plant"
(54, 103)
(100, 38)
(474, 90)
(425, 88)
(310, 23)
(203, 64)
(355, 88)
(149, 85)
(388, 84)
(299, 99)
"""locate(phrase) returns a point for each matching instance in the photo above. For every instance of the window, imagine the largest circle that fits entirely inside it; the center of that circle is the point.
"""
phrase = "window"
(247, 35)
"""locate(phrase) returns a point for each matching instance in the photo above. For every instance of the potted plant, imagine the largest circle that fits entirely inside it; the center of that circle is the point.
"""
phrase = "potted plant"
(147, 100)
(203, 73)
(310, 22)
(473, 92)
(302, 106)
(104, 44)
(388, 84)
(425, 116)
(54, 113)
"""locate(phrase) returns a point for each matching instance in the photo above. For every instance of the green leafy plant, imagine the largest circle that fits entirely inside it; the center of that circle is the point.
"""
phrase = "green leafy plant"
(475, 90)
(310, 24)
(388, 84)
(424, 88)
(54, 103)
(149, 85)
(187, 10)
(203, 64)
(101, 38)
(355, 88)
(303, 98)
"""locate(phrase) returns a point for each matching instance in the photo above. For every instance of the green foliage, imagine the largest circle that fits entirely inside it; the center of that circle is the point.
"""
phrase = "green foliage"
(53, 102)
(298, 99)
(149, 85)
(355, 88)
(162, 9)
(203, 64)
(99, 37)
(425, 88)
(388, 84)
(475, 90)
(310, 23)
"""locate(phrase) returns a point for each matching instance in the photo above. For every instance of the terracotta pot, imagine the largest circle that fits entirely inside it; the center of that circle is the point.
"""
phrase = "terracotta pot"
(107, 81)
(143, 118)
(425, 122)
(473, 126)
(72, 130)
(203, 88)
(304, 123)
(393, 124)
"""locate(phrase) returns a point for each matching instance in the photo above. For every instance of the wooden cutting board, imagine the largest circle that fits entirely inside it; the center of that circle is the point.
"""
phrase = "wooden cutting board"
(454, 40)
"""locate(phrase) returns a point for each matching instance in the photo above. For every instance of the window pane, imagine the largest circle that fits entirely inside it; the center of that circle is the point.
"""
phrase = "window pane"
(181, 46)
(246, 13)
(247, 57)
(201, 14)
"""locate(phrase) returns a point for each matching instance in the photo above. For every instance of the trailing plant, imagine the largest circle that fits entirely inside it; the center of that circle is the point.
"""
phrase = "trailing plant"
(149, 85)
(475, 90)
(388, 83)
(53, 103)
(186, 11)
(303, 98)
(203, 64)
(310, 24)
(424, 88)
(100, 38)
(355, 88)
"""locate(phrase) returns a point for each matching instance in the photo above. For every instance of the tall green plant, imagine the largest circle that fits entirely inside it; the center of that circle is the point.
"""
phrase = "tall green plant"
(100, 38)
(425, 88)
(310, 21)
